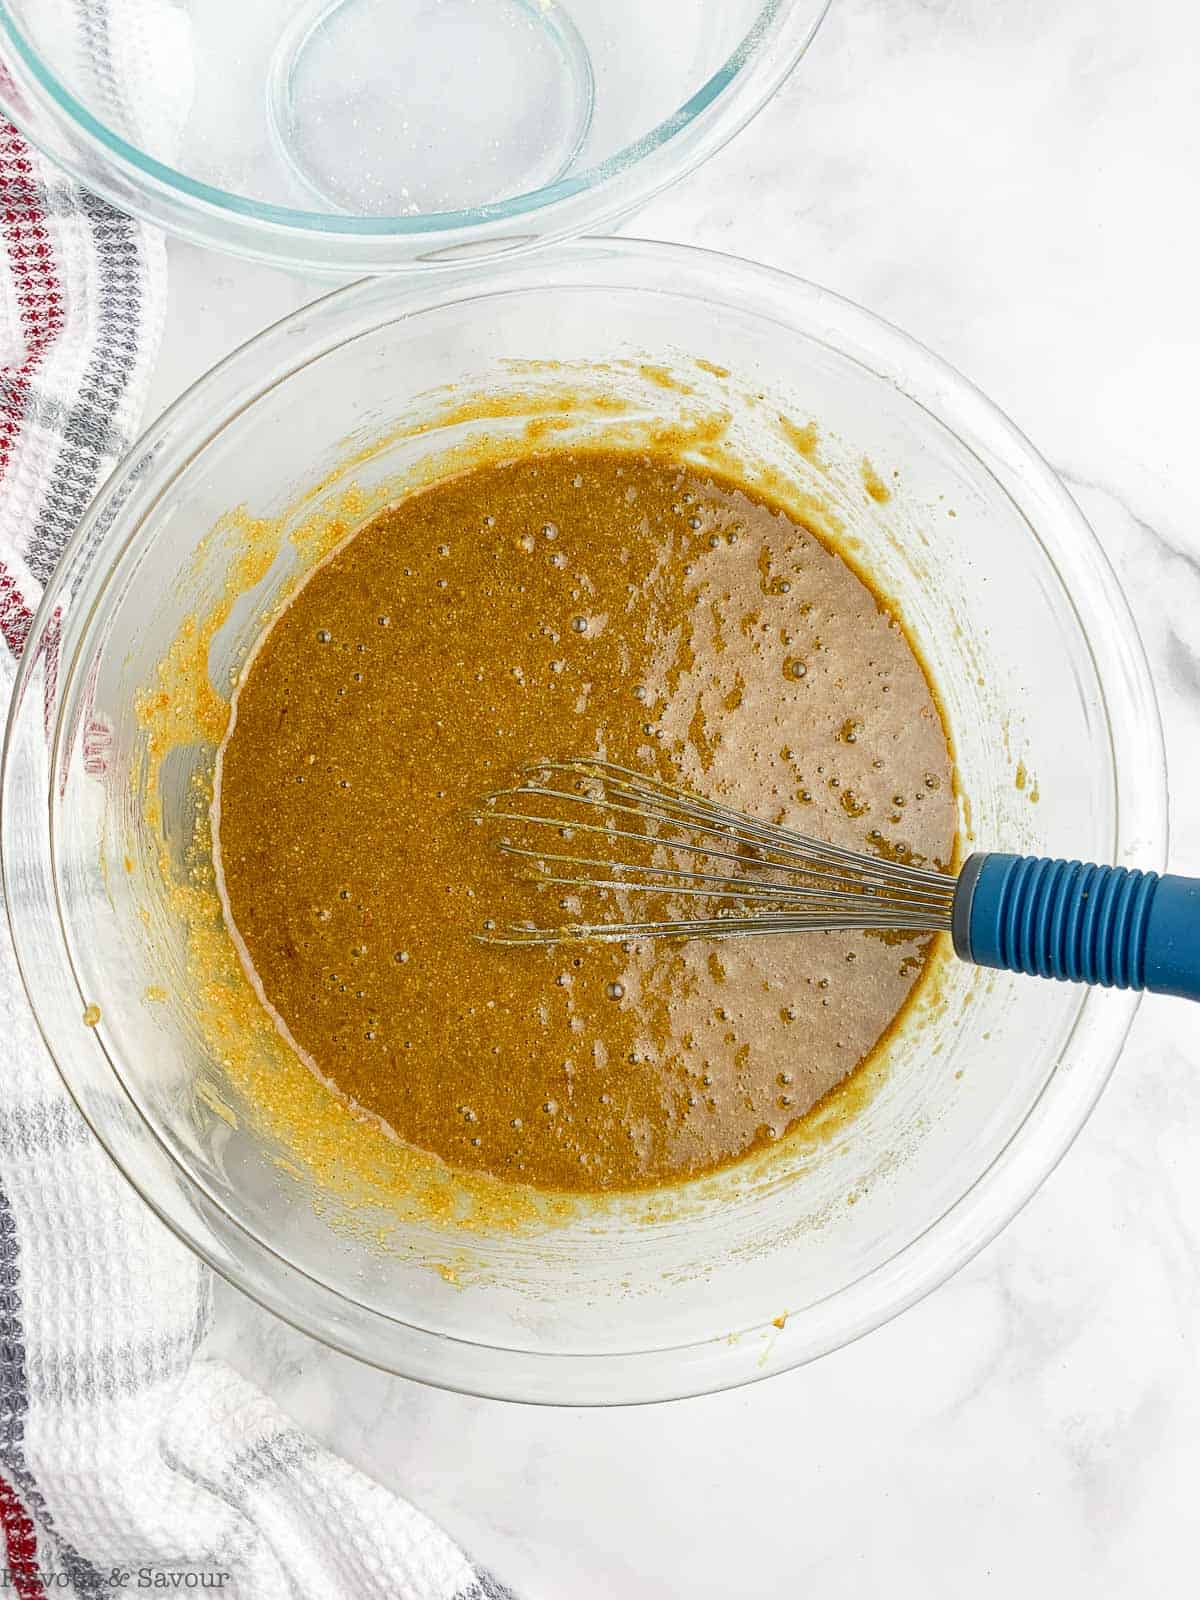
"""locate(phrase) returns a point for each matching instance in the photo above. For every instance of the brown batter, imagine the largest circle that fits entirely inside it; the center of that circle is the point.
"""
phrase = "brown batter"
(604, 603)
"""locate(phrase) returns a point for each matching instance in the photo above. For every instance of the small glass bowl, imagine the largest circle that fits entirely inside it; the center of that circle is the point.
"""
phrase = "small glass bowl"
(364, 136)
(1026, 634)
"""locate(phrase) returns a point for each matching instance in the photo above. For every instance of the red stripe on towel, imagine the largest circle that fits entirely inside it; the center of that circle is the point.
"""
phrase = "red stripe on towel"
(20, 1546)
(35, 279)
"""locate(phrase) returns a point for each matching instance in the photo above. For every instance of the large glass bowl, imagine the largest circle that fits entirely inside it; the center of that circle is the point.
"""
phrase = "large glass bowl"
(1025, 632)
(369, 135)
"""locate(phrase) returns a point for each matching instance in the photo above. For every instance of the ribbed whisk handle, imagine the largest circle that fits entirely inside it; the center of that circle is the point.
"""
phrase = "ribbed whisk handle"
(1112, 926)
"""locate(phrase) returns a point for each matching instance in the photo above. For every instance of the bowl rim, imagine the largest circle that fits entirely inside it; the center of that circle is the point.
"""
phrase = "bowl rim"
(1097, 1031)
(728, 99)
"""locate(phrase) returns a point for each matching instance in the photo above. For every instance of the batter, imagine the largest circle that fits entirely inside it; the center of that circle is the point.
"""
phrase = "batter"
(571, 603)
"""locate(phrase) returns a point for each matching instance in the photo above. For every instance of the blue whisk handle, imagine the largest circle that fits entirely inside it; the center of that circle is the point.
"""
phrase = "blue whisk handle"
(1110, 926)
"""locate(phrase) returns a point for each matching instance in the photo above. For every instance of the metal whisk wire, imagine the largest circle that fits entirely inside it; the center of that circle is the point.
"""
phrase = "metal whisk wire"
(785, 882)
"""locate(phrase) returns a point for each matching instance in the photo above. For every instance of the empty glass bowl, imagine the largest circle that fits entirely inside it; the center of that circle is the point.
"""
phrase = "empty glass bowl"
(1026, 634)
(365, 135)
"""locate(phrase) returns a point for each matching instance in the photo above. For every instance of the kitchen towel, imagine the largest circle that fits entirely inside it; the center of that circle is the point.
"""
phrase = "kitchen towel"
(128, 1462)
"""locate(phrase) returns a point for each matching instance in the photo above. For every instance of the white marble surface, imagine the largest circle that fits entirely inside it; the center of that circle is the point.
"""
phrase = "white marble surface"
(1016, 185)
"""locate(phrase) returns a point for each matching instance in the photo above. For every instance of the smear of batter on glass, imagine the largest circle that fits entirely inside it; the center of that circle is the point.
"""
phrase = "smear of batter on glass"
(604, 602)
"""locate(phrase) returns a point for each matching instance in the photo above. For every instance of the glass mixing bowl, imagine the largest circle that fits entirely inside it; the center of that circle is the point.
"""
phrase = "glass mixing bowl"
(368, 135)
(1025, 632)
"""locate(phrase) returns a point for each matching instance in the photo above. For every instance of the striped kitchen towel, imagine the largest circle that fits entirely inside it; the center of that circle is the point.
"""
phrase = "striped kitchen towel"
(127, 1461)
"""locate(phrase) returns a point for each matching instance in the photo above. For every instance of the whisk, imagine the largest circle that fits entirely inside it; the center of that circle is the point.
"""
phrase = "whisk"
(646, 842)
